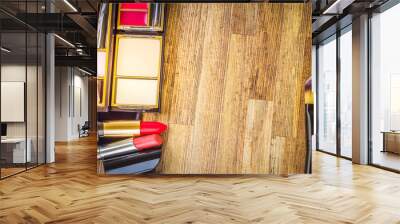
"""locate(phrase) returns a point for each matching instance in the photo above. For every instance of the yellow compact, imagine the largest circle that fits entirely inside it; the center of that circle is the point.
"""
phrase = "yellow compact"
(137, 71)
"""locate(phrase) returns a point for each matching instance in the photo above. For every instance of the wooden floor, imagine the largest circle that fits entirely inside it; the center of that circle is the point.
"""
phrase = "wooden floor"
(69, 191)
(10, 171)
(386, 159)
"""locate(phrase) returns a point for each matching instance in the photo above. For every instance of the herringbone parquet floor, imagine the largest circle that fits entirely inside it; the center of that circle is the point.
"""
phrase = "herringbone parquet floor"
(69, 191)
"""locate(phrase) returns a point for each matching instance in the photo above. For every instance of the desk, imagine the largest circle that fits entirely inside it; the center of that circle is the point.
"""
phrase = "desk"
(391, 141)
(17, 151)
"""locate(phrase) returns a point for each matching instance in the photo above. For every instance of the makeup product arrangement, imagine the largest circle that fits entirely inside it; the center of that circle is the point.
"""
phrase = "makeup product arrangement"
(129, 146)
(130, 58)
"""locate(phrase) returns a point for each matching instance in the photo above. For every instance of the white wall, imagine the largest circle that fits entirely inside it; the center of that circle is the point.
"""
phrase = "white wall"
(71, 102)
(33, 127)
(327, 96)
(80, 109)
(16, 73)
(62, 82)
(13, 72)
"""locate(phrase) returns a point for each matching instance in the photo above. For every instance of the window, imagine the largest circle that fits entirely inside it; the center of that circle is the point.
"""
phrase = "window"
(385, 89)
(335, 74)
(327, 96)
(346, 93)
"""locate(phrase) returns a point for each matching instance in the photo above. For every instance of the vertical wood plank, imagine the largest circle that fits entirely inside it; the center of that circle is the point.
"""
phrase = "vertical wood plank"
(177, 144)
(237, 90)
(257, 140)
(188, 27)
(211, 89)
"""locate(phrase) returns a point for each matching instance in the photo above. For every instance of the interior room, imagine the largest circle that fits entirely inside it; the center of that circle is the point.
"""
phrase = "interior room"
(75, 69)
(334, 62)
(283, 111)
(25, 68)
(23, 96)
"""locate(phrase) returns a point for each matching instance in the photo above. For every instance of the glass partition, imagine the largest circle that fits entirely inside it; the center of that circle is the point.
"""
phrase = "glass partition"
(22, 89)
(334, 94)
(327, 96)
(346, 93)
(13, 94)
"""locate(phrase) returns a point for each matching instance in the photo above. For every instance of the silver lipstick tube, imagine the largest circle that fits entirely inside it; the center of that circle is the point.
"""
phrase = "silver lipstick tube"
(118, 148)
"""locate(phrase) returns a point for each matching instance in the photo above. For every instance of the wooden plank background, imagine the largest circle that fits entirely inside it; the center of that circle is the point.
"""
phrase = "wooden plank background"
(233, 88)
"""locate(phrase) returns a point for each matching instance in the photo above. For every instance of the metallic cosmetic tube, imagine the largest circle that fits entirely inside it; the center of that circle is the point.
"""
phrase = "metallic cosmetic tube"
(114, 149)
(137, 168)
(130, 159)
(118, 129)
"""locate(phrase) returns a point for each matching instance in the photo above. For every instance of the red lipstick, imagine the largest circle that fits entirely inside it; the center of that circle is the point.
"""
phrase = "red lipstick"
(149, 141)
(152, 127)
(126, 129)
(129, 146)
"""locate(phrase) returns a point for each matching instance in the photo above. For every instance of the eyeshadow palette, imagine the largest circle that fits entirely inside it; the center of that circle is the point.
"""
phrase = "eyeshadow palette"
(137, 68)
(129, 64)
(137, 92)
(140, 16)
(138, 55)
(135, 6)
(136, 14)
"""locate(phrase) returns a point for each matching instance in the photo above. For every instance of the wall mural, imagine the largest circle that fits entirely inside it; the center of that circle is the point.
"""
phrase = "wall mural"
(202, 88)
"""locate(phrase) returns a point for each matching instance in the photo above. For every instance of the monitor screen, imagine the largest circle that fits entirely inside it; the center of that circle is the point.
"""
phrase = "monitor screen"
(3, 129)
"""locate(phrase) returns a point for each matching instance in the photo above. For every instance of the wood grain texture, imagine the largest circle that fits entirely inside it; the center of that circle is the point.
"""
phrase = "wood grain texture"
(70, 191)
(257, 138)
(233, 88)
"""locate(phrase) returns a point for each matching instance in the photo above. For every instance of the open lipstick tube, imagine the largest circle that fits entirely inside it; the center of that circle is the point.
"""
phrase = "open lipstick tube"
(129, 146)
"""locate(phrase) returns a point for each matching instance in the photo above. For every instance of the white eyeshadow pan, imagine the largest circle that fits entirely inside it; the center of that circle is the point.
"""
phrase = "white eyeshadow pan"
(139, 92)
(138, 56)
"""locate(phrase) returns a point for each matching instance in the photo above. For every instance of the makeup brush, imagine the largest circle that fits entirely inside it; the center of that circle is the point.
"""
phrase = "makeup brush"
(121, 129)
(129, 146)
